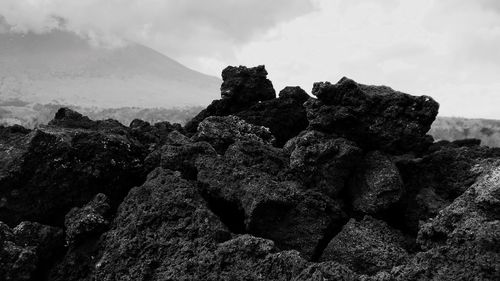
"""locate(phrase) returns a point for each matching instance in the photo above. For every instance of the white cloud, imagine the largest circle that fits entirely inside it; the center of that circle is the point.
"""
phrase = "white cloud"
(177, 27)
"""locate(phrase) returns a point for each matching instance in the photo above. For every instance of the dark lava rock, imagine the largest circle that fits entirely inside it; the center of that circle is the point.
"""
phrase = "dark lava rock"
(378, 185)
(182, 157)
(241, 88)
(295, 93)
(245, 86)
(463, 241)
(375, 117)
(434, 181)
(27, 251)
(155, 135)
(221, 132)
(52, 169)
(367, 246)
(91, 219)
(67, 118)
(327, 271)
(323, 162)
(164, 231)
(285, 117)
(248, 94)
(244, 188)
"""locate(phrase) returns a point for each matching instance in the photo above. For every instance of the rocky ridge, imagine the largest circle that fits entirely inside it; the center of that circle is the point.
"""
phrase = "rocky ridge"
(343, 186)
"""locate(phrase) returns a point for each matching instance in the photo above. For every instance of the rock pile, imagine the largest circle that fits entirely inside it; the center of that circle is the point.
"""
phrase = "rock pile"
(344, 186)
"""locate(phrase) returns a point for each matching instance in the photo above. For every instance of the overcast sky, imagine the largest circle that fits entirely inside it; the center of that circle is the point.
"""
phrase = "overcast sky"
(448, 49)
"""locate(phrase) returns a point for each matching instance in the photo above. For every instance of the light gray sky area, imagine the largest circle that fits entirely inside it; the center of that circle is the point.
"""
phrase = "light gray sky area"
(447, 49)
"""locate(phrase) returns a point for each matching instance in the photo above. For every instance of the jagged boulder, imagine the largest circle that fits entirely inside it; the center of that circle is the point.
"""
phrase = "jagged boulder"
(91, 219)
(367, 246)
(435, 180)
(221, 132)
(323, 162)
(241, 88)
(27, 251)
(154, 135)
(244, 86)
(246, 182)
(51, 169)
(377, 185)
(164, 231)
(463, 241)
(375, 117)
(285, 117)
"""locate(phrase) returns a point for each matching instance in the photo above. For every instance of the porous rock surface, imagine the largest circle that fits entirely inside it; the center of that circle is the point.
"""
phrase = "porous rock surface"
(345, 186)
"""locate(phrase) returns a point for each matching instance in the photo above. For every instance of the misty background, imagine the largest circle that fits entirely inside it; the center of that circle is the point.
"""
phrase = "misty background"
(161, 60)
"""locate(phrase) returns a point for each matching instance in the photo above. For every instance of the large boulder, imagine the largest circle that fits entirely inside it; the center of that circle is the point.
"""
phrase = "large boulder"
(164, 231)
(367, 246)
(27, 251)
(463, 241)
(241, 88)
(435, 180)
(375, 117)
(245, 188)
(323, 162)
(46, 172)
(377, 186)
(285, 117)
(89, 220)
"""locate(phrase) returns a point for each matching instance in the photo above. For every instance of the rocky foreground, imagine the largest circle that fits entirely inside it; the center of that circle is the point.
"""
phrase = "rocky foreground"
(344, 186)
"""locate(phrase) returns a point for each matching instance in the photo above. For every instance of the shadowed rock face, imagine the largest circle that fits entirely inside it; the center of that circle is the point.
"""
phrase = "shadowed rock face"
(376, 117)
(347, 187)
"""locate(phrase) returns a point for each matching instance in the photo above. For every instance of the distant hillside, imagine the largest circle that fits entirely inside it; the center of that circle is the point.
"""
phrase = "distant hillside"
(32, 115)
(453, 128)
(60, 67)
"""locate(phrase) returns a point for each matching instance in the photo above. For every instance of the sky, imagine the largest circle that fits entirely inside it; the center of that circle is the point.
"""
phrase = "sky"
(447, 49)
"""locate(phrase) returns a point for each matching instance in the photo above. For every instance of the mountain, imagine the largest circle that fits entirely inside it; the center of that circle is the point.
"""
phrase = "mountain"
(63, 68)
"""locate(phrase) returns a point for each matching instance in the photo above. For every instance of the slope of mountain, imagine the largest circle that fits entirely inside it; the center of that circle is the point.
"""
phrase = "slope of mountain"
(62, 68)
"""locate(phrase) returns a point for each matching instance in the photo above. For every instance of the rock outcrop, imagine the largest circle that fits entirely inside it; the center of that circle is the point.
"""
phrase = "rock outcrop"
(345, 186)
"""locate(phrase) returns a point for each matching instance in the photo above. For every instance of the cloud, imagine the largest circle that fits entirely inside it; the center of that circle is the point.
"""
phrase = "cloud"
(176, 27)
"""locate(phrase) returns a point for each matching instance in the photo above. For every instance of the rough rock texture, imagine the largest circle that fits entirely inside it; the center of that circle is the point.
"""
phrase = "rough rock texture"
(28, 250)
(263, 204)
(463, 240)
(89, 220)
(241, 88)
(323, 162)
(51, 169)
(377, 185)
(254, 188)
(367, 246)
(244, 85)
(375, 117)
(285, 117)
(435, 180)
(248, 94)
(221, 132)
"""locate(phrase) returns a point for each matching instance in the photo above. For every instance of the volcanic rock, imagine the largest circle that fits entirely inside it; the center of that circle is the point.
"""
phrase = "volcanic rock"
(247, 181)
(375, 117)
(462, 241)
(52, 169)
(89, 220)
(323, 162)
(367, 246)
(435, 180)
(221, 132)
(378, 185)
(244, 86)
(27, 251)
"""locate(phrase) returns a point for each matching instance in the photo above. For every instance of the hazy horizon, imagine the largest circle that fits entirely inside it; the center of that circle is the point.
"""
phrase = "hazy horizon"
(444, 49)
